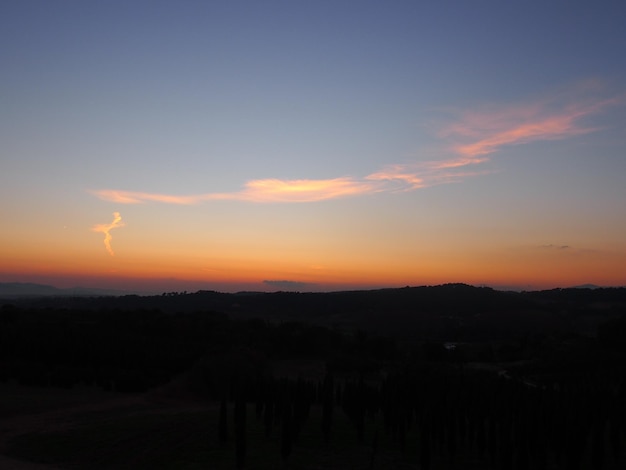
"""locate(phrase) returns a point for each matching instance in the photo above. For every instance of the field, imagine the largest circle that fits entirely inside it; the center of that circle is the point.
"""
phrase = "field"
(89, 429)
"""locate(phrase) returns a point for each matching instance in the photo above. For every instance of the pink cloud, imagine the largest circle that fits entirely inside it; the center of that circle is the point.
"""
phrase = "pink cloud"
(266, 190)
(408, 176)
(551, 128)
(471, 138)
(553, 118)
(106, 229)
(136, 197)
(276, 190)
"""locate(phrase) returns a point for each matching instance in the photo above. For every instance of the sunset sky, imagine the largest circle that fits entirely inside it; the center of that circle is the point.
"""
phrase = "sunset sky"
(312, 145)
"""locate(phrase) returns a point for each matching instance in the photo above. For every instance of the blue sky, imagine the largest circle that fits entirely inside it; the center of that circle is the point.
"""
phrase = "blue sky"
(218, 101)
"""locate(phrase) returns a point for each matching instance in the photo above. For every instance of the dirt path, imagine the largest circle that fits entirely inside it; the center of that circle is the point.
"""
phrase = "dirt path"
(24, 421)
(11, 464)
(33, 410)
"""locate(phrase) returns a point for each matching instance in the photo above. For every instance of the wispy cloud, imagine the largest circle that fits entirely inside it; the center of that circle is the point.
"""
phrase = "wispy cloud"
(407, 176)
(276, 190)
(480, 133)
(555, 247)
(467, 143)
(541, 128)
(411, 176)
(264, 190)
(106, 228)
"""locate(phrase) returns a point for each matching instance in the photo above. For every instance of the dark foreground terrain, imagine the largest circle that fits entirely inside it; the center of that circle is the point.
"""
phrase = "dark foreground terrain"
(444, 377)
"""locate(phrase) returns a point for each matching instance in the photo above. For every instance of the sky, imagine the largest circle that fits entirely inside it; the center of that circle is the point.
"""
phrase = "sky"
(312, 145)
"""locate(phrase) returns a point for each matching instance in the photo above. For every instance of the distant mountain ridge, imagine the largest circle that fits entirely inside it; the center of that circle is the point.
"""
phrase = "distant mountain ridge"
(439, 312)
(27, 289)
(10, 290)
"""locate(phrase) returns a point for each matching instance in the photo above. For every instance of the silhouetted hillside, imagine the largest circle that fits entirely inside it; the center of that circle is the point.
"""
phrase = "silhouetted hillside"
(452, 374)
(447, 312)
(12, 290)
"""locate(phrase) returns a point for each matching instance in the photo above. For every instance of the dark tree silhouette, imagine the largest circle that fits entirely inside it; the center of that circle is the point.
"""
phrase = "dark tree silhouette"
(240, 428)
(223, 422)
(327, 405)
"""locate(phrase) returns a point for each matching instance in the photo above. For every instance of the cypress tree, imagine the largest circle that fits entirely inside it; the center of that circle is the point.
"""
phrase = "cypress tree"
(286, 442)
(223, 422)
(597, 444)
(425, 450)
(614, 433)
(327, 406)
(240, 429)
(374, 449)
(260, 399)
(268, 416)
(360, 410)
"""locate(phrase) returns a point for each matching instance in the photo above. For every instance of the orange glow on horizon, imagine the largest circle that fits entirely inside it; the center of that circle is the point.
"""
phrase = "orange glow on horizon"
(536, 269)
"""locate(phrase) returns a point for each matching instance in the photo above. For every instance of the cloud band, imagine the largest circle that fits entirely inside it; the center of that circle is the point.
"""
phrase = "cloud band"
(475, 135)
